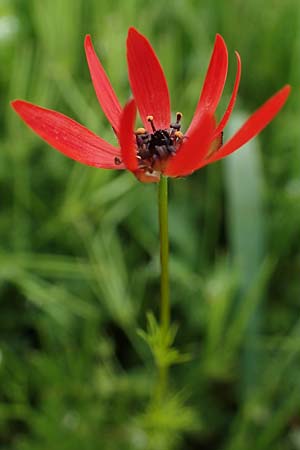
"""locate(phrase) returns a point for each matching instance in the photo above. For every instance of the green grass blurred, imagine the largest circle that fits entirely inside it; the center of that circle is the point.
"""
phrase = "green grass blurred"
(79, 246)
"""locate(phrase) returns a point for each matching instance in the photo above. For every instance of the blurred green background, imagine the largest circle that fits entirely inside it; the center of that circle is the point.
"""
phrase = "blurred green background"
(79, 251)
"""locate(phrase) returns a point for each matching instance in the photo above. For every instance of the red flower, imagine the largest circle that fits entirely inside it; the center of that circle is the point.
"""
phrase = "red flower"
(159, 147)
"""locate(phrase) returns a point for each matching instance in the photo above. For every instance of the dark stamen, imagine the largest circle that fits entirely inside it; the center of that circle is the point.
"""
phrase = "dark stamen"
(151, 120)
(176, 125)
(118, 161)
(178, 117)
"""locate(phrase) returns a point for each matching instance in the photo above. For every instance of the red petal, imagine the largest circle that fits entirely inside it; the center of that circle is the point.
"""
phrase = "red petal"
(214, 82)
(231, 103)
(256, 123)
(194, 149)
(127, 137)
(147, 81)
(68, 136)
(104, 91)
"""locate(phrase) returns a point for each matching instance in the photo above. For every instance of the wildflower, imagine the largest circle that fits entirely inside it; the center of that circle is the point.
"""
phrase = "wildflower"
(159, 147)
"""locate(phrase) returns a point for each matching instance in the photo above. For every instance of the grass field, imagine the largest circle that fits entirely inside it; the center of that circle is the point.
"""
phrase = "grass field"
(79, 249)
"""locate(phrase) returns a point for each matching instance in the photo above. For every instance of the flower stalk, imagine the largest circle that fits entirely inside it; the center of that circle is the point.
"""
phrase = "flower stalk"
(164, 275)
(164, 253)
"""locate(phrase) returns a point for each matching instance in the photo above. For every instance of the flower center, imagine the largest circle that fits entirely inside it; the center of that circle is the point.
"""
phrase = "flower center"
(154, 149)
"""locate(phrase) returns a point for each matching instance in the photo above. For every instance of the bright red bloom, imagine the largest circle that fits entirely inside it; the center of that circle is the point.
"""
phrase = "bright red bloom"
(159, 147)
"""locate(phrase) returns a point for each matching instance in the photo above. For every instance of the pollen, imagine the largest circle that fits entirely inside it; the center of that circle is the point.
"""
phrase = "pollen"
(139, 131)
(179, 134)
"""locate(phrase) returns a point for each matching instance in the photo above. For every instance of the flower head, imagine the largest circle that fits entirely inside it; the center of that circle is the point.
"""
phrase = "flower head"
(160, 146)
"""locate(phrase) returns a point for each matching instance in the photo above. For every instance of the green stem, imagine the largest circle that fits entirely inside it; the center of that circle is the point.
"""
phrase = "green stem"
(164, 264)
(164, 253)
